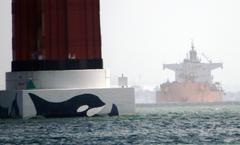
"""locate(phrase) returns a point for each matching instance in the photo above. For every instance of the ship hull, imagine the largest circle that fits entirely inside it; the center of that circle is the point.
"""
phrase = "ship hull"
(189, 92)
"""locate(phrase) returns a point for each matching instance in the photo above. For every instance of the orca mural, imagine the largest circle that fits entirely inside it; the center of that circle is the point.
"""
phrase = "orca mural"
(85, 105)
(114, 111)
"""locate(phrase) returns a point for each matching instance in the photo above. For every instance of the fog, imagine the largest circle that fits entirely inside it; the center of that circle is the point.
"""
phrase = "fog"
(139, 36)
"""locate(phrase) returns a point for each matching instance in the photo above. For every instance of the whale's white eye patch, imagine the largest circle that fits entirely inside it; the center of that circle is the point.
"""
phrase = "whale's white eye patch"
(82, 108)
(94, 111)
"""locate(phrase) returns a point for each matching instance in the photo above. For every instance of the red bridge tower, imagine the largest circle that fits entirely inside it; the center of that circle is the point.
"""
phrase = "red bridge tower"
(56, 35)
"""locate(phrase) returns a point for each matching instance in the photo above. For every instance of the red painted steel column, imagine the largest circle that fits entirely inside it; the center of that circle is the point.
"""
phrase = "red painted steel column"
(25, 28)
(56, 32)
(77, 44)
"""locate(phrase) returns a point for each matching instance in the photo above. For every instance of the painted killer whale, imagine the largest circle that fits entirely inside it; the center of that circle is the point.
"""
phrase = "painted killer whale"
(114, 111)
(85, 105)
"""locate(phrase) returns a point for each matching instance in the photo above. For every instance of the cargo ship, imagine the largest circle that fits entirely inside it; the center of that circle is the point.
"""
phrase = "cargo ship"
(193, 81)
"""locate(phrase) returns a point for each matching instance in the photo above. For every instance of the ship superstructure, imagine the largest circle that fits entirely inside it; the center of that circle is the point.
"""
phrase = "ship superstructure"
(193, 81)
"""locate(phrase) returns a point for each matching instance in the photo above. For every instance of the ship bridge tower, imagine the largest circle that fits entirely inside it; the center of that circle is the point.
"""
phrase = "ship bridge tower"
(193, 55)
(192, 69)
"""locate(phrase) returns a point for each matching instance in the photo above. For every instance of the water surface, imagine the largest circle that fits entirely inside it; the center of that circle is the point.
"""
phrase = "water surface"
(164, 124)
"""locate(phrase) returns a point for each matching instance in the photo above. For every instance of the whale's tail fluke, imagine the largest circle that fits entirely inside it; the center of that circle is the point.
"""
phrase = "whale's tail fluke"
(114, 111)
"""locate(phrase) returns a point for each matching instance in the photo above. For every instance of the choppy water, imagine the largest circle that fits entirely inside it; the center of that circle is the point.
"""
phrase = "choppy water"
(174, 124)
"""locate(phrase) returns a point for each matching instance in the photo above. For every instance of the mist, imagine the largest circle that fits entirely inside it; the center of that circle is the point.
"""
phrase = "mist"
(139, 36)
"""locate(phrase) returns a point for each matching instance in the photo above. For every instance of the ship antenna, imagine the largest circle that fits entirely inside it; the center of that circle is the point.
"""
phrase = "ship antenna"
(192, 43)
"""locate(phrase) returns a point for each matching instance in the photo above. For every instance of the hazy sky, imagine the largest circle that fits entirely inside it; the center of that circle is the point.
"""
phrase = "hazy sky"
(140, 35)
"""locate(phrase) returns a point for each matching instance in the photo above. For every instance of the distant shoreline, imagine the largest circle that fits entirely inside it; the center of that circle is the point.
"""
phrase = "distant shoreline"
(187, 104)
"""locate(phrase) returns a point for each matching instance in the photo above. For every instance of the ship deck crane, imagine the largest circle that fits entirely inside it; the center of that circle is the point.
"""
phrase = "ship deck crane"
(207, 58)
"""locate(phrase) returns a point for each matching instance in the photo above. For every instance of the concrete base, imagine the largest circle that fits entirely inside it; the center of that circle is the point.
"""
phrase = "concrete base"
(63, 79)
(67, 102)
